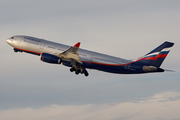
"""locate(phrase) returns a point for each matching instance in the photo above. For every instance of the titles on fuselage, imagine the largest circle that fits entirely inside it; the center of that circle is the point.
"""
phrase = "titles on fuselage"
(32, 40)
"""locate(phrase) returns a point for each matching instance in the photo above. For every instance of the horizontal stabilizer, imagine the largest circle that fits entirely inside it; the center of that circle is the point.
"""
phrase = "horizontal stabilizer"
(169, 70)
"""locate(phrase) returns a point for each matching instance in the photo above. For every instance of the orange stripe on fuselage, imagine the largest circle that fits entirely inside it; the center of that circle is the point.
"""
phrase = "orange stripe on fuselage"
(107, 64)
(28, 51)
(82, 61)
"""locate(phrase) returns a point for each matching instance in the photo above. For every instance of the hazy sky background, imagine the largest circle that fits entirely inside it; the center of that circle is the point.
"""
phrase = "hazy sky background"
(34, 90)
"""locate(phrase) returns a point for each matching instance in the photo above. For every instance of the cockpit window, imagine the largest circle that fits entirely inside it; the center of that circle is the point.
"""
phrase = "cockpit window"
(12, 37)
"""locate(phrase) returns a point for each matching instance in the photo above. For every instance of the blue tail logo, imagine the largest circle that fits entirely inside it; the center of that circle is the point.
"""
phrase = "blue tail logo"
(157, 56)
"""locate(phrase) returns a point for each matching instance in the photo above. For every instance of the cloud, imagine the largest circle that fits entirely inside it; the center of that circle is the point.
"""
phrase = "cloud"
(159, 106)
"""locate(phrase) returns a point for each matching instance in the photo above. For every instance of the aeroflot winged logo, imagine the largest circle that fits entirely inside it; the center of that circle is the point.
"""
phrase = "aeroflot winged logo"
(79, 60)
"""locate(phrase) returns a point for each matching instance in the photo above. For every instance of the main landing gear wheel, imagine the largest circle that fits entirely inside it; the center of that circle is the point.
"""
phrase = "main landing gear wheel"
(72, 69)
(77, 71)
(86, 73)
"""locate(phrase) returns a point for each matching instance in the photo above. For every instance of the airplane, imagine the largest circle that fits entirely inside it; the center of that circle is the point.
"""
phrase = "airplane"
(80, 59)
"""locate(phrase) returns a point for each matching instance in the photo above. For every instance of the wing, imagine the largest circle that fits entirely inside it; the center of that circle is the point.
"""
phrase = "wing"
(71, 54)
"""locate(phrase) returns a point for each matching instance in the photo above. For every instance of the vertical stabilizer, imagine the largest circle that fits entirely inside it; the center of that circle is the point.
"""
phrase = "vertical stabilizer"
(157, 56)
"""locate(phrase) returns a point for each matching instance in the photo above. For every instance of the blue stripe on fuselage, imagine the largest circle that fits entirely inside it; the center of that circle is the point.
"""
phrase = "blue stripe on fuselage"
(132, 68)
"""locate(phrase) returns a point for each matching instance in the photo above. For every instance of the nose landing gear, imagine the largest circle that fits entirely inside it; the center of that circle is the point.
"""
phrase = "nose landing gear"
(16, 50)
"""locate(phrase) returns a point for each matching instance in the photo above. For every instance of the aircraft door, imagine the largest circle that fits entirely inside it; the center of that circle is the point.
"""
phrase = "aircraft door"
(90, 57)
(90, 64)
(19, 40)
(128, 66)
(41, 45)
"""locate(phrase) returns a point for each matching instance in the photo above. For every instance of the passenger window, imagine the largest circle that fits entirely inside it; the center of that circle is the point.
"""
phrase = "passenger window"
(12, 37)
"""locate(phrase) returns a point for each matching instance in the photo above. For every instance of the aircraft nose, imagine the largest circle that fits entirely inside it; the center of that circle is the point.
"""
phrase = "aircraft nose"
(9, 41)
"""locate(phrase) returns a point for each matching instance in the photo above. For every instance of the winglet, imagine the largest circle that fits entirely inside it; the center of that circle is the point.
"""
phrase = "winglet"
(77, 44)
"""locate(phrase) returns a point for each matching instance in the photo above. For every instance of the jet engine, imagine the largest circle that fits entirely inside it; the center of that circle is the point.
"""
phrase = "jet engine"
(49, 58)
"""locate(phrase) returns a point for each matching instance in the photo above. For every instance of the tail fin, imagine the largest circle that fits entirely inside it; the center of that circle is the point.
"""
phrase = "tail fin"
(157, 56)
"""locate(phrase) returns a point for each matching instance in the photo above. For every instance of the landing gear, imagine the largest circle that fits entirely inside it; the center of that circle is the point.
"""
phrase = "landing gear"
(86, 73)
(76, 71)
(72, 69)
(79, 70)
(15, 50)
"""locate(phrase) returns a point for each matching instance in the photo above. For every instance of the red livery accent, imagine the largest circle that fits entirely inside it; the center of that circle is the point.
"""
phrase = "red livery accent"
(154, 58)
(161, 55)
(77, 44)
(149, 58)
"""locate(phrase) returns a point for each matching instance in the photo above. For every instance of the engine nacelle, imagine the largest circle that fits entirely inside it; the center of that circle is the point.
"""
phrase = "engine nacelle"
(152, 69)
(49, 58)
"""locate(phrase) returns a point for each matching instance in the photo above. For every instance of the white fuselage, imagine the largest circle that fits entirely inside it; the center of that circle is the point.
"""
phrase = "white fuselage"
(43, 46)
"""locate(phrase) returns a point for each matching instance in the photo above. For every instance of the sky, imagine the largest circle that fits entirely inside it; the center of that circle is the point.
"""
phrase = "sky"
(34, 90)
